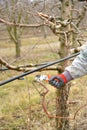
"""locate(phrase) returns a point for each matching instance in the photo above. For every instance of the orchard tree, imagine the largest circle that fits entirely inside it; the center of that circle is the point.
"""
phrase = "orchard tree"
(12, 11)
(16, 12)
(67, 26)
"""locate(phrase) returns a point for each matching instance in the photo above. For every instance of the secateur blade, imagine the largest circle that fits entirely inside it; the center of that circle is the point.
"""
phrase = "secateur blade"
(41, 78)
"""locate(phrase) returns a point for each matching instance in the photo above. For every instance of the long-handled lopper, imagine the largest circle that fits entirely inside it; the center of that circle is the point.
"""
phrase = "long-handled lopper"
(37, 69)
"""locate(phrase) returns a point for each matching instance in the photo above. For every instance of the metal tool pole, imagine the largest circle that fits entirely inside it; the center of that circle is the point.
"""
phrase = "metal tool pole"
(37, 69)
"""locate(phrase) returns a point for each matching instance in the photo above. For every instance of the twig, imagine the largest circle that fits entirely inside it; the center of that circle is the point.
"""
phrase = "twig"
(45, 108)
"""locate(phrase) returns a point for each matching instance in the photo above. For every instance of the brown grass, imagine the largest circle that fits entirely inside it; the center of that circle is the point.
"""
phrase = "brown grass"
(20, 102)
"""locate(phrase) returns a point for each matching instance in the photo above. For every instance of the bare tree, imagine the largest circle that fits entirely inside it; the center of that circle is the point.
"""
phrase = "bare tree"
(16, 12)
(68, 28)
(65, 22)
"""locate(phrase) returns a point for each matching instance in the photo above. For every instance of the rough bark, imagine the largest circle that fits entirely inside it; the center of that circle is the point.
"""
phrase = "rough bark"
(62, 94)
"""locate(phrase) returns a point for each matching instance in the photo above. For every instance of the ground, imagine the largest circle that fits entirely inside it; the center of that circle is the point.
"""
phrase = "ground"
(20, 102)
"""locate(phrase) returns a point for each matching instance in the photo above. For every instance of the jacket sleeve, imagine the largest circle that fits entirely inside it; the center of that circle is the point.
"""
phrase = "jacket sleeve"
(78, 67)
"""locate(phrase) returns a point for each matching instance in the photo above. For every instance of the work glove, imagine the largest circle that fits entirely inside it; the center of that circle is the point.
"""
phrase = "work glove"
(58, 81)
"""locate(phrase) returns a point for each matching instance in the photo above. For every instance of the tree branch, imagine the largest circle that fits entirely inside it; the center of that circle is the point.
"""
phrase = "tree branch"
(27, 67)
(20, 25)
(54, 24)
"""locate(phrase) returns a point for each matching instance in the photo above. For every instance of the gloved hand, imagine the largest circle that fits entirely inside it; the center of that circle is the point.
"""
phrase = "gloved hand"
(58, 81)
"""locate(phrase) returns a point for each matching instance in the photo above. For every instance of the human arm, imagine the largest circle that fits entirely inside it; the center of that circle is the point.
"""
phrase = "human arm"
(77, 69)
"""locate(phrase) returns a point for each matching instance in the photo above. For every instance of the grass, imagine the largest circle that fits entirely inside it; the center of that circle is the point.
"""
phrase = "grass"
(20, 102)
(29, 41)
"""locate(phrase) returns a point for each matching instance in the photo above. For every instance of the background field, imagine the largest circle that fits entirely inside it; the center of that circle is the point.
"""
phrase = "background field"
(20, 102)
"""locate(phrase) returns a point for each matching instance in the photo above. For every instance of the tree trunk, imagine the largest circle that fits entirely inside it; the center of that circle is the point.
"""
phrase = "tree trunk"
(14, 34)
(18, 48)
(62, 94)
(45, 32)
